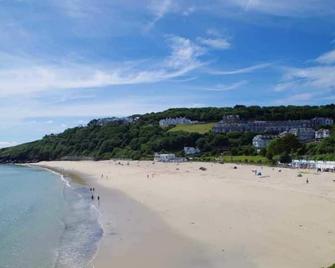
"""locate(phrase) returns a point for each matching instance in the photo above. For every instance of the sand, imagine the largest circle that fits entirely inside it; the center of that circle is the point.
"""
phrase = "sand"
(176, 215)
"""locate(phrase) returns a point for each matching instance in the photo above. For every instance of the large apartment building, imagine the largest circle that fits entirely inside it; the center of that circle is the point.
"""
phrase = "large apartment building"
(233, 123)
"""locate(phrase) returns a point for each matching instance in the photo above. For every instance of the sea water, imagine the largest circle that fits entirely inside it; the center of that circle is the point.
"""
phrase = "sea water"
(45, 221)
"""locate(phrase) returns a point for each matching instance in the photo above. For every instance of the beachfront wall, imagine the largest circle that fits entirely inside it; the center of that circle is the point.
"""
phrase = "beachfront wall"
(311, 164)
(168, 158)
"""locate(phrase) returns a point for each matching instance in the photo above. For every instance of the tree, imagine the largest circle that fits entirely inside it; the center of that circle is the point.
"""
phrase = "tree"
(284, 145)
(285, 158)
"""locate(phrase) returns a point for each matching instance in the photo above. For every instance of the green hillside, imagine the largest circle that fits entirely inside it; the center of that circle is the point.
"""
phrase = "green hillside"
(141, 138)
(194, 128)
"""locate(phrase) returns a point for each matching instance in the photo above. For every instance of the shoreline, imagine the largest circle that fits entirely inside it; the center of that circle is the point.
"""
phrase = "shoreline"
(166, 236)
(77, 178)
(207, 243)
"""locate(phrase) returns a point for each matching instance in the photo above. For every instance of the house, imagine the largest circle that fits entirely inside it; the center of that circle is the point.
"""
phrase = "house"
(191, 150)
(262, 141)
(303, 134)
(175, 121)
(322, 133)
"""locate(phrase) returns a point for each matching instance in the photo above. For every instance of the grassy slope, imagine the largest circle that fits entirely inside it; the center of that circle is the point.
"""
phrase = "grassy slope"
(195, 128)
(257, 159)
(251, 159)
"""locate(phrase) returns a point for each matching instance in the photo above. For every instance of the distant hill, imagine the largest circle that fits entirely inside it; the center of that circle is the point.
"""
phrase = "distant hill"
(140, 137)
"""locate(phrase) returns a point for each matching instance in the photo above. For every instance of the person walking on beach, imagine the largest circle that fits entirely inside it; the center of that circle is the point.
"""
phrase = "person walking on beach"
(307, 181)
(92, 197)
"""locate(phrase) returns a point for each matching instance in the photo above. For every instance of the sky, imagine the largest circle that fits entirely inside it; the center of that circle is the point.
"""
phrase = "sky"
(65, 62)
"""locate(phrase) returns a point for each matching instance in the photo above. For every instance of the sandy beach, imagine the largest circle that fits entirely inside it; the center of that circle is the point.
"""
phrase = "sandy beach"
(176, 215)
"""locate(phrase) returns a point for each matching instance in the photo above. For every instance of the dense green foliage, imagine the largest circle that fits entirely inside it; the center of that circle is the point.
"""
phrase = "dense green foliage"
(141, 139)
(283, 146)
(212, 114)
(283, 149)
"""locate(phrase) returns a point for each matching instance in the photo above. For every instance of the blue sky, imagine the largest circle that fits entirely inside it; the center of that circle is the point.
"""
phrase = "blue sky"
(64, 62)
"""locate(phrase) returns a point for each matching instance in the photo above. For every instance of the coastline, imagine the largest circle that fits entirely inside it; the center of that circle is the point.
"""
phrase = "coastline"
(273, 208)
(149, 228)
(69, 179)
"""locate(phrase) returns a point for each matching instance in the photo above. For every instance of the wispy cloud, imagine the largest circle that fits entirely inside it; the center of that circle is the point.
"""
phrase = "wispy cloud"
(159, 10)
(215, 43)
(313, 78)
(5, 144)
(300, 98)
(317, 77)
(327, 58)
(33, 77)
(316, 81)
(225, 87)
(215, 40)
(290, 8)
(243, 70)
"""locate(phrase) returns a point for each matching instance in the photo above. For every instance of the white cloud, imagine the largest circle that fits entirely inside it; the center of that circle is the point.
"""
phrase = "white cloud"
(5, 144)
(313, 78)
(27, 76)
(301, 98)
(306, 83)
(189, 10)
(301, 8)
(244, 70)
(216, 43)
(225, 88)
(327, 58)
(318, 77)
(184, 53)
(159, 10)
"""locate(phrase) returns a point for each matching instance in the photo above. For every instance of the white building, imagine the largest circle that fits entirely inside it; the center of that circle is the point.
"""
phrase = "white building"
(191, 150)
(303, 134)
(261, 141)
(322, 133)
(311, 164)
(175, 121)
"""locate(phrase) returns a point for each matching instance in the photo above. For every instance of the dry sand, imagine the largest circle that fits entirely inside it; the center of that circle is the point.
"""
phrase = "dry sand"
(174, 215)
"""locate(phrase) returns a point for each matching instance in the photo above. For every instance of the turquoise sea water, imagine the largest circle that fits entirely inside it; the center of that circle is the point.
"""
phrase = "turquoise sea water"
(44, 221)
